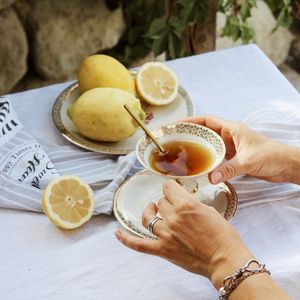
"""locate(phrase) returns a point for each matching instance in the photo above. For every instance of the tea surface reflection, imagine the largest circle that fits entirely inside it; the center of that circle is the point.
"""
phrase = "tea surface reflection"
(183, 158)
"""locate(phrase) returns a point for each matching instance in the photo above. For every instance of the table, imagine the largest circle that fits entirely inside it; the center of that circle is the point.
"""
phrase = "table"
(40, 261)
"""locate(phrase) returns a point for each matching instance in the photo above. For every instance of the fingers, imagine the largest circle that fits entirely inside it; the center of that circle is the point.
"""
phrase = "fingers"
(227, 137)
(214, 123)
(222, 127)
(137, 243)
(175, 193)
(164, 208)
(201, 120)
(149, 213)
(226, 171)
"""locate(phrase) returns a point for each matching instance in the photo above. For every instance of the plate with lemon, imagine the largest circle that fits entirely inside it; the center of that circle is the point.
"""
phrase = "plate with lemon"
(90, 113)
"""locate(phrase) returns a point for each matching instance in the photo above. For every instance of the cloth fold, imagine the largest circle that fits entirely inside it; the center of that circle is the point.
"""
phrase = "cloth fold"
(105, 173)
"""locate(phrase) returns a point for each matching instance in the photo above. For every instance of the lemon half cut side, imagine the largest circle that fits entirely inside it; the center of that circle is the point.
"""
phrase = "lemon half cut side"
(68, 201)
(156, 83)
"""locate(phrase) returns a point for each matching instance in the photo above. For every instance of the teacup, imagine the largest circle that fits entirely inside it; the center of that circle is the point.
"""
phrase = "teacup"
(189, 133)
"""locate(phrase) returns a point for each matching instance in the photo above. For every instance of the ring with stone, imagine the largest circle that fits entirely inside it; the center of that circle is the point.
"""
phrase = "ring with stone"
(152, 223)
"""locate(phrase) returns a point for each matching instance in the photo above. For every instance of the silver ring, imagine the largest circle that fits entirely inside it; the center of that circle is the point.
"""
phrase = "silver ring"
(152, 223)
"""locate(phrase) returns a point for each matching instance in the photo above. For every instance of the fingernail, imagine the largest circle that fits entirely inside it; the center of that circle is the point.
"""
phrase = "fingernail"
(118, 234)
(217, 176)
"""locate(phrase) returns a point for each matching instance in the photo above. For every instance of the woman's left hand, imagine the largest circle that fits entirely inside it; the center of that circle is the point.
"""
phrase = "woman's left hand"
(191, 235)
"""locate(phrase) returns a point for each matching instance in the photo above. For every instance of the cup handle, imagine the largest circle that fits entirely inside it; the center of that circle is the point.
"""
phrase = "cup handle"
(191, 185)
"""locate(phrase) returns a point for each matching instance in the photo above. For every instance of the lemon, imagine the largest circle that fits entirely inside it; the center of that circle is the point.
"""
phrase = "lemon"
(104, 71)
(99, 114)
(68, 202)
(156, 84)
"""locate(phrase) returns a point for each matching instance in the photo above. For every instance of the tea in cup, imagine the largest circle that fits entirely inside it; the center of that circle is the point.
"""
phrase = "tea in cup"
(182, 158)
(192, 152)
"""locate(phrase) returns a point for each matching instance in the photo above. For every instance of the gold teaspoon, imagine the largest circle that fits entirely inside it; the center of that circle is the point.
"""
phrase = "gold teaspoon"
(148, 133)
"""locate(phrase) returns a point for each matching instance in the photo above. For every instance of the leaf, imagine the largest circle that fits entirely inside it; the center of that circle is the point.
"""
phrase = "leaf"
(177, 26)
(247, 34)
(159, 45)
(175, 46)
(275, 5)
(284, 19)
(233, 28)
(245, 10)
(156, 29)
(224, 5)
(185, 11)
(193, 11)
(148, 29)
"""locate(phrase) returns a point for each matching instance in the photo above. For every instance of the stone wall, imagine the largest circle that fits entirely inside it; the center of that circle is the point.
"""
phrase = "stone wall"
(44, 41)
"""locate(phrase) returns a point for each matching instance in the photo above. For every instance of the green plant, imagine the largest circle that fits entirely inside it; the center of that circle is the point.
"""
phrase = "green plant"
(283, 9)
(237, 14)
(159, 26)
(139, 15)
(166, 33)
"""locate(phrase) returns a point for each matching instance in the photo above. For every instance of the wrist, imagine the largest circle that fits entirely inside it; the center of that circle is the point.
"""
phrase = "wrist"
(295, 167)
(225, 263)
(288, 157)
(234, 257)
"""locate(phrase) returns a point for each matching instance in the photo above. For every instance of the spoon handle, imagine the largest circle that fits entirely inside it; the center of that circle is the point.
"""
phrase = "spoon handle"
(148, 133)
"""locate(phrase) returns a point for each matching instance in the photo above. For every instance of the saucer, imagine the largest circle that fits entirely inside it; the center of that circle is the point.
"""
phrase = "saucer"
(144, 187)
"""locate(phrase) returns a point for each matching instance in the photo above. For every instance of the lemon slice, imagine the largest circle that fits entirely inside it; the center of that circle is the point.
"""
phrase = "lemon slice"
(156, 84)
(68, 202)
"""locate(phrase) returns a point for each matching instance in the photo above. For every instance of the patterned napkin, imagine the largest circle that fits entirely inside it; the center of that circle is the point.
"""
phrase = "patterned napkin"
(21, 157)
(26, 167)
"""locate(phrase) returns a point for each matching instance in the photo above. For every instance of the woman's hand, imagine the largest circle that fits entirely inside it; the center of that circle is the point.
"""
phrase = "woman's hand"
(197, 238)
(251, 153)
(191, 235)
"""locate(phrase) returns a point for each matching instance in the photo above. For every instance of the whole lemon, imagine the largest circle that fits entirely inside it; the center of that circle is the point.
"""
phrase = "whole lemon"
(99, 114)
(101, 70)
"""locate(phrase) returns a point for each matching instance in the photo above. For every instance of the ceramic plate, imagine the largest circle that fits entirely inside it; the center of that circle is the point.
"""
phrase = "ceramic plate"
(156, 116)
(137, 191)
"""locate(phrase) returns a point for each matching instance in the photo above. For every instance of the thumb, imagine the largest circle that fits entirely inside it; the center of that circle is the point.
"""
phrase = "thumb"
(226, 171)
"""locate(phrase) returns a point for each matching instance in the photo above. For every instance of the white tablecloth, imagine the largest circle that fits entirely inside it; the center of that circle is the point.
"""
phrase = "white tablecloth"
(40, 261)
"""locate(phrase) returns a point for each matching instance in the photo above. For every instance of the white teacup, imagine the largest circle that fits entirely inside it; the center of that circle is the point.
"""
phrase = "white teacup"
(183, 132)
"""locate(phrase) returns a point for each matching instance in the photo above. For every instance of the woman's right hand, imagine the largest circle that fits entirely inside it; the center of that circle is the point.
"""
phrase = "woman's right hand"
(251, 153)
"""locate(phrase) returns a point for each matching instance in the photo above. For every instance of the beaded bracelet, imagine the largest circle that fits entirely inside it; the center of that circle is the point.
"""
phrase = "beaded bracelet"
(231, 282)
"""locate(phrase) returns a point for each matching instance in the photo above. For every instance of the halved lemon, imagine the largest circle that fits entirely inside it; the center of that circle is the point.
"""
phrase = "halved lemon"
(156, 84)
(68, 202)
